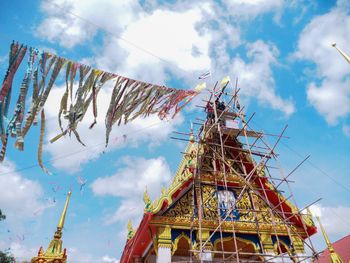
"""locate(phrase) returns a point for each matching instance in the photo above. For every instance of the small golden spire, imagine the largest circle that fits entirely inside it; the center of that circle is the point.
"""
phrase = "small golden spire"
(347, 58)
(64, 212)
(335, 258)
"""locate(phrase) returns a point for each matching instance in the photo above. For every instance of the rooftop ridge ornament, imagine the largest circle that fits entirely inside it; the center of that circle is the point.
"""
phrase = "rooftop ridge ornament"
(347, 58)
(131, 230)
(148, 202)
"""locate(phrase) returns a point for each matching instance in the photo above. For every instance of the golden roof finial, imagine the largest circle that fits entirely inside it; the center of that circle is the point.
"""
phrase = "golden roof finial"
(191, 138)
(131, 231)
(307, 218)
(148, 201)
(164, 191)
(261, 169)
(309, 214)
(347, 58)
(335, 258)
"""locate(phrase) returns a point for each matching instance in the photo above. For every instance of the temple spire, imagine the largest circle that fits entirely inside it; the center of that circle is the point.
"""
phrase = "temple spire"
(54, 251)
(335, 258)
(64, 212)
(347, 58)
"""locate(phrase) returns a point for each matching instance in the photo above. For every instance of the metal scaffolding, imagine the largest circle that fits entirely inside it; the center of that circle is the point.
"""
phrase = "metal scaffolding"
(227, 146)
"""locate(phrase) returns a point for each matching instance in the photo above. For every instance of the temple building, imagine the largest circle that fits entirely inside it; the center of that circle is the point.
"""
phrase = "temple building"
(54, 253)
(225, 202)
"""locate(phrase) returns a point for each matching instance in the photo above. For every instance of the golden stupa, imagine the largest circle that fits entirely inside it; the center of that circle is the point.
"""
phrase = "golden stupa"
(54, 253)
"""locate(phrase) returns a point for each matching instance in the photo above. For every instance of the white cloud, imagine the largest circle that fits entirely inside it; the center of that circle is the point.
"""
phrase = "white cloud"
(60, 25)
(331, 98)
(177, 39)
(187, 36)
(137, 174)
(183, 40)
(19, 250)
(128, 209)
(256, 77)
(315, 43)
(68, 154)
(74, 255)
(249, 9)
(330, 93)
(167, 34)
(165, 41)
(21, 200)
(109, 259)
(335, 220)
(19, 196)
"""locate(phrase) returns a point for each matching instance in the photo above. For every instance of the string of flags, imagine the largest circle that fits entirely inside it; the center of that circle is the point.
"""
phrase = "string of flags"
(130, 98)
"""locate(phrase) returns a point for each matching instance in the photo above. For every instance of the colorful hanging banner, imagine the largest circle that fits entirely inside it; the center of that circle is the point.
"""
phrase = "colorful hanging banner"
(130, 98)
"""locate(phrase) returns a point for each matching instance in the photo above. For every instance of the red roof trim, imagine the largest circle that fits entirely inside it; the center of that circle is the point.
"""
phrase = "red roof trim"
(135, 246)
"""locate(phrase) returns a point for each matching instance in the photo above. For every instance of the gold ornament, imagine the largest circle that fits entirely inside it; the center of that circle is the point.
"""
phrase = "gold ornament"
(148, 202)
(131, 231)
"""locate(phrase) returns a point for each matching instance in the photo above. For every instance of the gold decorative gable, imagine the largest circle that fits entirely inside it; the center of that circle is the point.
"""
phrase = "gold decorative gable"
(244, 208)
(183, 207)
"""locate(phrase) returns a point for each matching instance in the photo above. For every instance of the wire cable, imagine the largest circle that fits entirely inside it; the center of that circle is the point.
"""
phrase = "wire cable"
(318, 168)
(86, 147)
(76, 152)
(311, 163)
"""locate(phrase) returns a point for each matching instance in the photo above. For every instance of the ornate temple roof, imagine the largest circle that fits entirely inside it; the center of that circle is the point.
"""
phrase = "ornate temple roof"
(217, 165)
(141, 238)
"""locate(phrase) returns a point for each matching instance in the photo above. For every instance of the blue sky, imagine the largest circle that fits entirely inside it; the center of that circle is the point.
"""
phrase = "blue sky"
(288, 74)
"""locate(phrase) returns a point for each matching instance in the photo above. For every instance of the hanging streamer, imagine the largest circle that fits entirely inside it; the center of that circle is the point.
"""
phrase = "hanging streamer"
(40, 148)
(130, 98)
(16, 56)
(22, 97)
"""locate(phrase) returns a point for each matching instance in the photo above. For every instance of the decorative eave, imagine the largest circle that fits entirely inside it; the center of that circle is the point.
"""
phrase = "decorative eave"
(226, 226)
